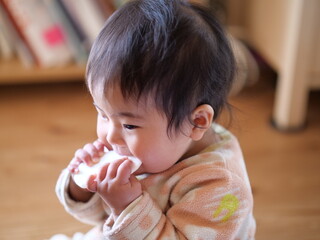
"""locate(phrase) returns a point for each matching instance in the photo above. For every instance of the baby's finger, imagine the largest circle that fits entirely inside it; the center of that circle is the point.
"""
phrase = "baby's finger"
(135, 184)
(92, 151)
(113, 168)
(84, 156)
(100, 147)
(124, 172)
(73, 165)
(92, 184)
(103, 172)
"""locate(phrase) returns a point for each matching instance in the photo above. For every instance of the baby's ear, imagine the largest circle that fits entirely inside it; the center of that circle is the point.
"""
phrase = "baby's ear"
(201, 118)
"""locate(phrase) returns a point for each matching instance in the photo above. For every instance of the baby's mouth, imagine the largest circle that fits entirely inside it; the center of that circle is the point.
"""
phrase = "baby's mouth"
(122, 151)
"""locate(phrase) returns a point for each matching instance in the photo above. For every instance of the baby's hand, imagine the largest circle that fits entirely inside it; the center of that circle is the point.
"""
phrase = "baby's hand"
(89, 154)
(116, 185)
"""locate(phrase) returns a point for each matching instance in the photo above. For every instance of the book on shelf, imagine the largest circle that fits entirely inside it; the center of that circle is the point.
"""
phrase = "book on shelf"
(106, 7)
(6, 46)
(51, 32)
(87, 16)
(119, 3)
(75, 39)
(42, 35)
(18, 47)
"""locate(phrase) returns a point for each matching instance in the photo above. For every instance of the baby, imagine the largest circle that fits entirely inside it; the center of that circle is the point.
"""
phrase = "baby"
(159, 74)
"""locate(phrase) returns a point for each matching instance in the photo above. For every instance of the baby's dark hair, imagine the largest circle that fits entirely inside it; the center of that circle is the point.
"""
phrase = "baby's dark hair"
(174, 51)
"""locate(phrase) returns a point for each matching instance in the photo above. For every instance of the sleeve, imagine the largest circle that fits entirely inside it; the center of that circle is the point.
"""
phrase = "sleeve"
(91, 212)
(209, 208)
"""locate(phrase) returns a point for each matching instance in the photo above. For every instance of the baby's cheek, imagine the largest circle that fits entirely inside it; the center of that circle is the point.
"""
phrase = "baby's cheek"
(102, 130)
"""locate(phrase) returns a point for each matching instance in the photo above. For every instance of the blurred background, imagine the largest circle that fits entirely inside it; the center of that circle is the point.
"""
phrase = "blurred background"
(46, 112)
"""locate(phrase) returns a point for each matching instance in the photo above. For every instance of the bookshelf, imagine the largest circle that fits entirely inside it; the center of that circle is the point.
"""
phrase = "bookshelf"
(69, 15)
(48, 40)
(13, 72)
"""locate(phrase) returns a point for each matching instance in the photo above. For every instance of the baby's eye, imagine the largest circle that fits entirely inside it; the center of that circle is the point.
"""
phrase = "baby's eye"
(129, 127)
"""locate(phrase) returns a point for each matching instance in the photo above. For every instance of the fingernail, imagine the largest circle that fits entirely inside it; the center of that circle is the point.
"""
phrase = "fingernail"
(101, 154)
(95, 160)
(91, 163)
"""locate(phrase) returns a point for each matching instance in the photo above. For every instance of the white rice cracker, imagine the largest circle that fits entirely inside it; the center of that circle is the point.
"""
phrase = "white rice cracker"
(81, 178)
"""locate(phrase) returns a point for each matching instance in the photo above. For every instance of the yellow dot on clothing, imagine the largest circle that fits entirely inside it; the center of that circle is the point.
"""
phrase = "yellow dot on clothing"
(230, 203)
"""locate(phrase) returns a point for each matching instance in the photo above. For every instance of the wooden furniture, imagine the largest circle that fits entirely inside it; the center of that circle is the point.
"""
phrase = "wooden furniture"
(287, 34)
(13, 72)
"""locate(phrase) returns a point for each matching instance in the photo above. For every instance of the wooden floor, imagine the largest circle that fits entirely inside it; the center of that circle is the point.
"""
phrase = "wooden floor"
(42, 125)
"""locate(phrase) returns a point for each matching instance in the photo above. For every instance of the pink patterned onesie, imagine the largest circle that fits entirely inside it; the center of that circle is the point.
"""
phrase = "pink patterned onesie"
(206, 196)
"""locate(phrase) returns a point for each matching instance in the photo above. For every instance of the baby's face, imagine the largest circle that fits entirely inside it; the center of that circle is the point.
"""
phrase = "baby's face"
(139, 130)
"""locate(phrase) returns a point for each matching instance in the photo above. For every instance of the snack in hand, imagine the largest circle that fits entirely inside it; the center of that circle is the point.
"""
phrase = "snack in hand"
(82, 176)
